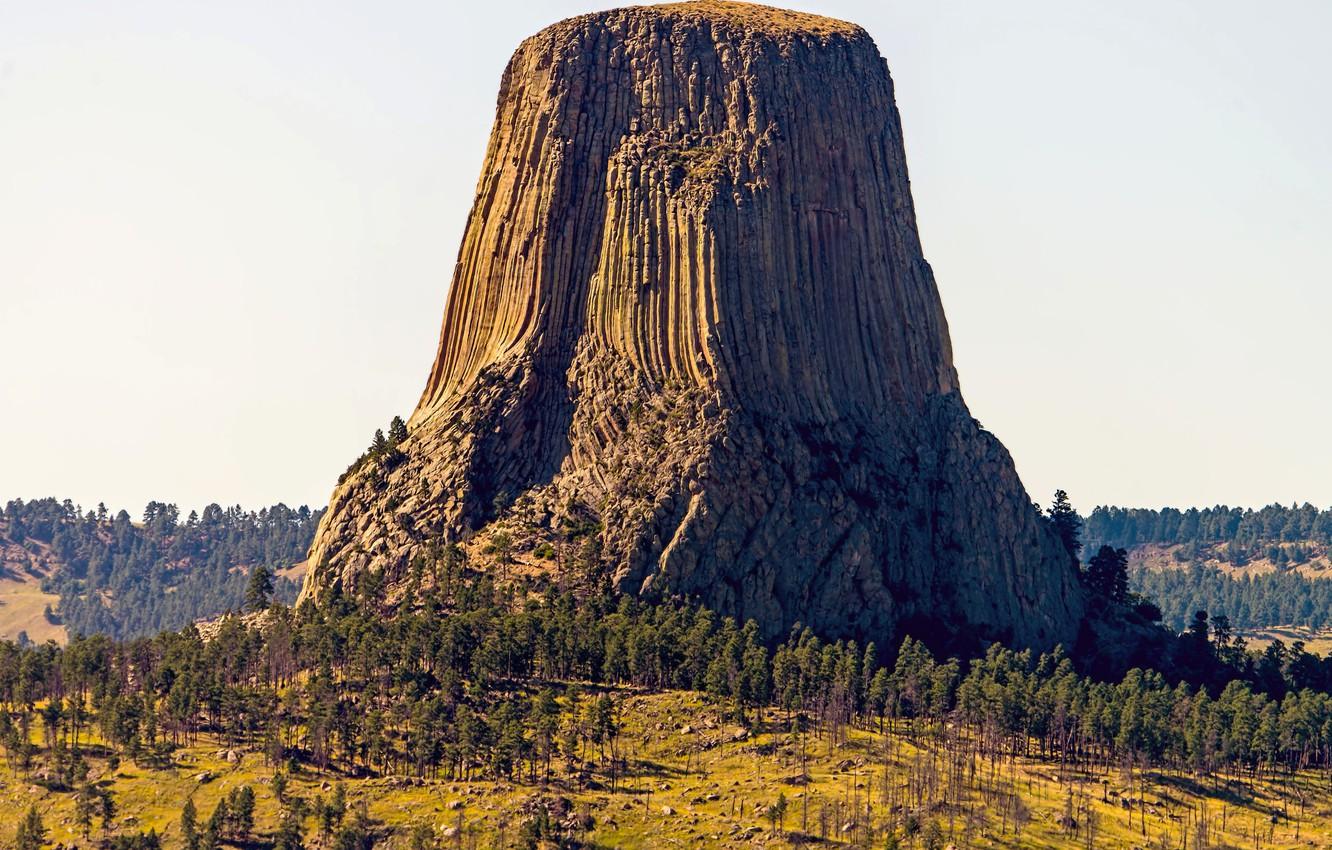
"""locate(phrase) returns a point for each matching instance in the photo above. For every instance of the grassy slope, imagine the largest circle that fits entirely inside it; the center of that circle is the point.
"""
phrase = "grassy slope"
(22, 609)
(1162, 557)
(22, 602)
(1159, 557)
(718, 801)
(1317, 641)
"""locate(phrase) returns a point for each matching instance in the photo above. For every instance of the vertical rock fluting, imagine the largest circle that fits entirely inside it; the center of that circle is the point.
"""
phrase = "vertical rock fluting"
(691, 303)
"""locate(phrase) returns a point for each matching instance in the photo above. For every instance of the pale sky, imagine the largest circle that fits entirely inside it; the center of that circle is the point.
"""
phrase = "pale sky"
(227, 230)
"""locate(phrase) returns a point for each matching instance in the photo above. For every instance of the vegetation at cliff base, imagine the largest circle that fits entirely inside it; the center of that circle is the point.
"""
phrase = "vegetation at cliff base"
(494, 707)
(513, 713)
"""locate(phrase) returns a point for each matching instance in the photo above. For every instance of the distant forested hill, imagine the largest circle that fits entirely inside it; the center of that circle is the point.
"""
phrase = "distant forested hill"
(1249, 602)
(1241, 533)
(126, 579)
(1258, 568)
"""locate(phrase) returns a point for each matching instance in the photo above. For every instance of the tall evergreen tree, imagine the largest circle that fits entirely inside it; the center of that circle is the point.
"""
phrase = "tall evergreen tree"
(288, 835)
(259, 589)
(1068, 525)
(189, 826)
(1107, 573)
(31, 833)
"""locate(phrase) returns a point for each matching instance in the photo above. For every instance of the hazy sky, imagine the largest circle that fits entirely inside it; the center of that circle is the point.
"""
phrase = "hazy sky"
(226, 232)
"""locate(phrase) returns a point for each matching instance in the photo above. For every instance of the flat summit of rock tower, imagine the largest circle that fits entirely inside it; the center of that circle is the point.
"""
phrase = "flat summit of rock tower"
(691, 342)
(752, 17)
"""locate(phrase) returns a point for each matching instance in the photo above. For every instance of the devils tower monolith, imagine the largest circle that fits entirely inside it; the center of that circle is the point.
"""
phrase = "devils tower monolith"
(691, 327)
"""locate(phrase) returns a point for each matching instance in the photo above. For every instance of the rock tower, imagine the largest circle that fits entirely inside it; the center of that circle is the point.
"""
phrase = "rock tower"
(691, 308)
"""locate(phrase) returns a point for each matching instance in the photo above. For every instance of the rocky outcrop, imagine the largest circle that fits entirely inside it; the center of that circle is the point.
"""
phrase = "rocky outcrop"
(691, 308)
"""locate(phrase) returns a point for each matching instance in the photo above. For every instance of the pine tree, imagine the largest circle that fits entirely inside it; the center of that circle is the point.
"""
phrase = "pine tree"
(1107, 573)
(189, 826)
(31, 833)
(289, 833)
(259, 589)
(241, 807)
(85, 807)
(217, 825)
(108, 810)
(1067, 524)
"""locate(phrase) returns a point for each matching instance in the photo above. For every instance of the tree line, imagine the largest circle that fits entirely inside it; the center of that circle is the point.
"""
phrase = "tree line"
(113, 575)
(1249, 601)
(474, 681)
(1238, 535)
(478, 675)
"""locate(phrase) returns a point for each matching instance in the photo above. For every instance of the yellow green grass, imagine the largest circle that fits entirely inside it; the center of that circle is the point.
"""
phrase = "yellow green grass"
(23, 607)
(694, 780)
(1316, 641)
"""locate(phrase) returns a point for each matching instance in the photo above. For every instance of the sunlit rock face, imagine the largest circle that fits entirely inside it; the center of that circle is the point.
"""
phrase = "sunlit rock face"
(691, 304)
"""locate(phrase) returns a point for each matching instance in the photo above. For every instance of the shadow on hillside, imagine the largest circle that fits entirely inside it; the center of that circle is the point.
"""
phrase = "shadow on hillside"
(646, 767)
(1232, 792)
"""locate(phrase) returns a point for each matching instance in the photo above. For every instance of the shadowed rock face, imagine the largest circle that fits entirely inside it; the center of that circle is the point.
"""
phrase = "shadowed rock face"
(691, 302)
